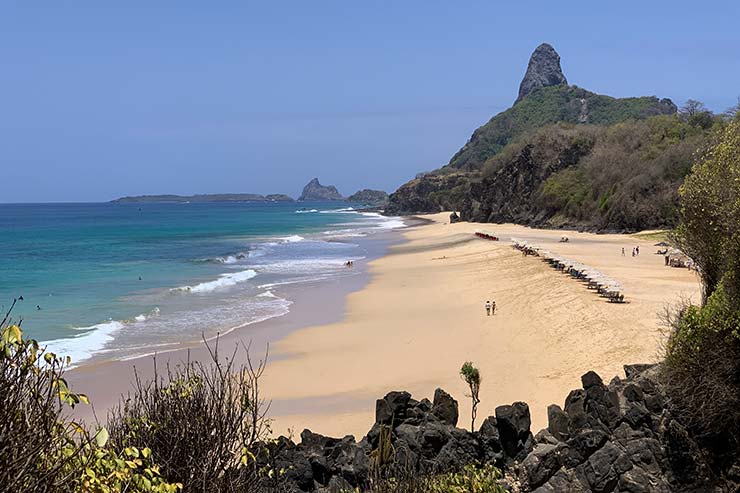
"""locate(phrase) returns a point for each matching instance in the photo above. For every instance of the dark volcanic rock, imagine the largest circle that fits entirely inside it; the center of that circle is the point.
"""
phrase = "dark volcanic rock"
(316, 191)
(604, 439)
(445, 407)
(543, 71)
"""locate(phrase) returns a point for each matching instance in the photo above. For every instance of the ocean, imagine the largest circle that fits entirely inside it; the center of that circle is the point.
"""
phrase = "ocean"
(115, 281)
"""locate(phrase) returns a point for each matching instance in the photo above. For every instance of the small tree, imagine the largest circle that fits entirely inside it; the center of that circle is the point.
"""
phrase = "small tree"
(471, 375)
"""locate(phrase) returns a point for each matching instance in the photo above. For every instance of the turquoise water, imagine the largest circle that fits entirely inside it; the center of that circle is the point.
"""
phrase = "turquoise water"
(118, 280)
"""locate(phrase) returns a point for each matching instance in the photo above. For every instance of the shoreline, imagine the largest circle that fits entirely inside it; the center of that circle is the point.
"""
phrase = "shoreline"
(104, 381)
(414, 314)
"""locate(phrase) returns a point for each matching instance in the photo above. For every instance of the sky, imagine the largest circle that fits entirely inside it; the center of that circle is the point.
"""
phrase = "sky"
(100, 100)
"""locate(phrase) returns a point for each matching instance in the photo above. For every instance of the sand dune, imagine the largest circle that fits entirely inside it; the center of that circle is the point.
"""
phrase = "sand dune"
(422, 315)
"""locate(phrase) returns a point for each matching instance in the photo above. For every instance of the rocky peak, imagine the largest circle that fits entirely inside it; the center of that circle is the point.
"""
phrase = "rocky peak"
(316, 191)
(543, 71)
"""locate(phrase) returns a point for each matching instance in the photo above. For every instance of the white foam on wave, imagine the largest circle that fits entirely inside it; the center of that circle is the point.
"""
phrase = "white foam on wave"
(387, 222)
(307, 266)
(224, 281)
(146, 316)
(305, 211)
(292, 239)
(339, 211)
(267, 294)
(83, 346)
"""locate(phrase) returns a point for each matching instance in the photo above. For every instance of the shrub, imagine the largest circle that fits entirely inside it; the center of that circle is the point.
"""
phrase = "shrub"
(702, 367)
(37, 451)
(200, 421)
(41, 449)
(472, 478)
(471, 375)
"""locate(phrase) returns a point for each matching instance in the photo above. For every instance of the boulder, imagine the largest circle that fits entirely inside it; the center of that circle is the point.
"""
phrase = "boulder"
(557, 422)
(445, 407)
(513, 425)
(542, 463)
(391, 409)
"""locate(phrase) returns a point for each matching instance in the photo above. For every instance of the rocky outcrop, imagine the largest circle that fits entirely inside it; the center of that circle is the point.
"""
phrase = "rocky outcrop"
(369, 197)
(543, 71)
(316, 191)
(428, 194)
(620, 437)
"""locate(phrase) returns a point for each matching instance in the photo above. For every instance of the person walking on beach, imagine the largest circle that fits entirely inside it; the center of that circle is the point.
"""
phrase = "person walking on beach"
(493, 307)
(622, 251)
(488, 308)
(633, 252)
(637, 250)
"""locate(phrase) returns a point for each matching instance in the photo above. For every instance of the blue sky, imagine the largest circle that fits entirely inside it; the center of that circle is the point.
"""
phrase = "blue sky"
(204, 97)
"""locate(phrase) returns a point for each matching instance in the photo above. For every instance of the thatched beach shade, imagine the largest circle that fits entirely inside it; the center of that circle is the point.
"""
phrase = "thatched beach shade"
(486, 235)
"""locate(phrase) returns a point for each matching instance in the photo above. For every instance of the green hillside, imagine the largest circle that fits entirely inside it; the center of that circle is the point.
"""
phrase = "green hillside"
(548, 105)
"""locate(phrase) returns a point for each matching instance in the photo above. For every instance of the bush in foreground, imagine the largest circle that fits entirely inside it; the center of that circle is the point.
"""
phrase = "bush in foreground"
(702, 367)
(41, 449)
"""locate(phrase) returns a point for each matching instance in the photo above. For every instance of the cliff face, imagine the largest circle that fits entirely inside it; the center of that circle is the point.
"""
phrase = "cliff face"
(316, 191)
(424, 194)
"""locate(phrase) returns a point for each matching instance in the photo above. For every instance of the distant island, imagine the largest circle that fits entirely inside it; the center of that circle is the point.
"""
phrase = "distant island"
(316, 191)
(215, 197)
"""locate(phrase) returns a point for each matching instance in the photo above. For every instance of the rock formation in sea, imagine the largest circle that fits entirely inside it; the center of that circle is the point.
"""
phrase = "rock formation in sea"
(316, 191)
(370, 197)
(620, 437)
(543, 71)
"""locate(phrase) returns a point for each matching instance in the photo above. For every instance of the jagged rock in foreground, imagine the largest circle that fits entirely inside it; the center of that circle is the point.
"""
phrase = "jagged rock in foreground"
(543, 71)
(316, 191)
(620, 437)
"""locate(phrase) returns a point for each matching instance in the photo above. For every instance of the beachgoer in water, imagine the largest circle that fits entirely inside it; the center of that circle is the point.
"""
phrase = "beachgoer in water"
(488, 308)
(493, 308)
(38, 307)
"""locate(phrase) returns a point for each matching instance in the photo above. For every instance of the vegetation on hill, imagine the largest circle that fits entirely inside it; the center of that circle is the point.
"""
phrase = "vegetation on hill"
(548, 105)
(622, 177)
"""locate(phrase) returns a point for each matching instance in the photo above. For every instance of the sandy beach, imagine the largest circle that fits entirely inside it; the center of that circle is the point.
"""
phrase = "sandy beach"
(422, 315)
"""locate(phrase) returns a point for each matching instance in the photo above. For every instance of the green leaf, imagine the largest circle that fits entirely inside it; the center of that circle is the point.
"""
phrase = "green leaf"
(101, 438)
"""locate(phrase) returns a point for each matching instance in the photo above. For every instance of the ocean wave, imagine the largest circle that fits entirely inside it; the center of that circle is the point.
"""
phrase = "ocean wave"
(227, 259)
(224, 281)
(306, 211)
(306, 266)
(292, 239)
(345, 233)
(267, 294)
(339, 211)
(144, 317)
(83, 346)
